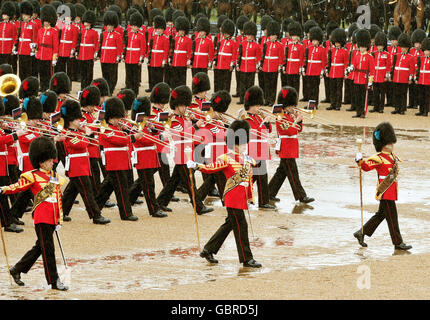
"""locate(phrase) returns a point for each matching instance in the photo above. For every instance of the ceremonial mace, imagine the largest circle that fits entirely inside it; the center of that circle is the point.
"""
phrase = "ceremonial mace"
(360, 144)
(5, 252)
(188, 152)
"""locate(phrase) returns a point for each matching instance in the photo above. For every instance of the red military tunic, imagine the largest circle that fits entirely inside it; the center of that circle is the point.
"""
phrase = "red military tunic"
(273, 56)
(424, 70)
(24, 141)
(203, 52)
(316, 60)
(12, 155)
(27, 36)
(89, 44)
(215, 144)
(288, 143)
(339, 62)
(159, 50)
(160, 128)
(249, 56)
(353, 51)
(68, 40)
(182, 51)
(183, 146)
(136, 48)
(50, 210)
(227, 54)
(77, 156)
(8, 36)
(93, 150)
(382, 163)
(404, 68)
(115, 149)
(364, 67)
(47, 43)
(111, 47)
(382, 66)
(258, 146)
(144, 154)
(294, 57)
(5, 142)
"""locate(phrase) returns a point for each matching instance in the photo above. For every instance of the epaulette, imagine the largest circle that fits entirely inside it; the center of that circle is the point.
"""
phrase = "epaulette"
(375, 158)
(28, 175)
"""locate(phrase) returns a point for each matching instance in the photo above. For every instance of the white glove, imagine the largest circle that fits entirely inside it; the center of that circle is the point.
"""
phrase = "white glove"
(1, 190)
(247, 158)
(57, 227)
(54, 63)
(191, 164)
(32, 54)
(95, 56)
(33, 45)
(118, 59)
(358, 156)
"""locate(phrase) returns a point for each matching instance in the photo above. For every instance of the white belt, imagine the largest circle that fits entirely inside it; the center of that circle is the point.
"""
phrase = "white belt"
(208, 148)
(337, 64)
(257, 140)
(116, 149)
(182, 141)
(245, 184)
(201, 53)
(401, 68)
(158, 51)
(294, 60)
(314, 61)
(87, 45)
(179, 51)
(66, 41)
(23, 39)
(288, 137)
(51, 200)
(146, 148)
(74, 155)
(424, 71)
(134, 153)
(380, 68)
(133, 49)
(5, 39)
(109, 48)
(271, 58)
(382, 177)
(3, 153)
(249, 58)
(21, 161)
(225, 54)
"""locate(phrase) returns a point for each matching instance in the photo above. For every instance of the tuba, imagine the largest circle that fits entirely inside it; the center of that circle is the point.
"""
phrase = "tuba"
(9, 84)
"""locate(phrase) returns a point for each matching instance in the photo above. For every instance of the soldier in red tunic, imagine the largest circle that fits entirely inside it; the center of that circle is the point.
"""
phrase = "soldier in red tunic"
(423, 79)
(158, 52)
(240, 37)
(393, 34)
(27, 37)
(288, 147)
(416, 39)
(37, 25)
(264, 22)
(237, 168)
(294, 57)
(8, 32)
(331, 25)
(203, 47)
(181, 47)
(349, 78)
(307, 42)
(45, 184)
(385, 162)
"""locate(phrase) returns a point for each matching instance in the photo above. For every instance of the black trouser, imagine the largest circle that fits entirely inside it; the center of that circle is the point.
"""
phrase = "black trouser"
(23, 199)
(413, 95)
(424, 98)
(116, 181)
(61, 152)
(80, 185)
(164, 169)
(259, 175)
(208, 185)
(197, 70)
(235, 221)
(178, 76)
(327, 88)
(95, 164)
(44, 246)
(348, 91)
(379, 95)
(353, 97)
(5, 58)
(145, 183)
(237, 76)
(64, 64)
(261, 79)
(305, 89)
(387, 210)
(13, 178)
(45, 73)
(25, 66)
(110, 73)
(180, 173)
(157, 76)
(76, 70)
(87, 72)
(270, 85)
(293, 80)
(34, 66)
(284, 80)
(5, 213)
(313, 89)
(336, 86)
(287, 168)
(400, 91)
(132, 77)
(390, 93)
(14, 63)
(360, 98)
(247, 80)
(222, 80)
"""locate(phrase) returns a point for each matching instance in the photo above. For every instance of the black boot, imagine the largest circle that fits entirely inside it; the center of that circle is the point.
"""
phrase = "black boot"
(208, 256)
(360, 237)
(205, 210)
(138, 201)
(267, 206)
(13, 228)
(58, 285)
(67, 219)
(109, 204)
(16, 276)
(307, 200)
(402, 246)
(130, 218)
(252, 264)
(214, 193)
(164, 208)
(101, 220)
(159, 214)
(175, 199)
(17, 221)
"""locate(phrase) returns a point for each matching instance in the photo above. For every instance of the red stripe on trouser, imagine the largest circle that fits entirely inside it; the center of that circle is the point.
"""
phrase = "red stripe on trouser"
(391, 221)
(44, 255)
(292, 177)
(86, 198)
(240, 239)
(122, 197)
(147, 191)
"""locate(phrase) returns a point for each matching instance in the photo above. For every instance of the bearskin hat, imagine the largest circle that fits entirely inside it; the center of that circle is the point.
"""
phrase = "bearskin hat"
(49, 101)
(201, 83)
(114, 108)
(221, 20)
(363, 38)
(127, 96)
(70, 110)
(29, 87)
(90, 96)
(138, 8)
(33, 108)
(180, 96)
(72, 9)
(288, 96)
(115, 8)
(10, 103)
(136, 19)
(285, 23)
(168, 14)
(228, 27)
(425, 44)
(374, 29)
(203, 24)
(26, 8)
(309, 25)
(394, 32)
(338, 35)
(159, 22)
(295, 29)
(102, 85)
(8, 8)
(17, 10)
(197, 17)
(177, 14)
(352, 27)
(240, 22)
(237, 133)
(273, 28)
(41, 149)
(381, 39)
(316, 33)
(418, 36)
(129, 13)
(5, 68)
(48, 14)
(60, 83)
(90, 17)
(384, 134)
(56, 4)
(141, 104)
(404, 41)
(253, 97)
(265, 21)
(182, 23)
(220, 101)
(330, 27)
(153, 13)
(250, 29)
(80, 10)
(160, 93)
(36, 6)
(110, 18)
